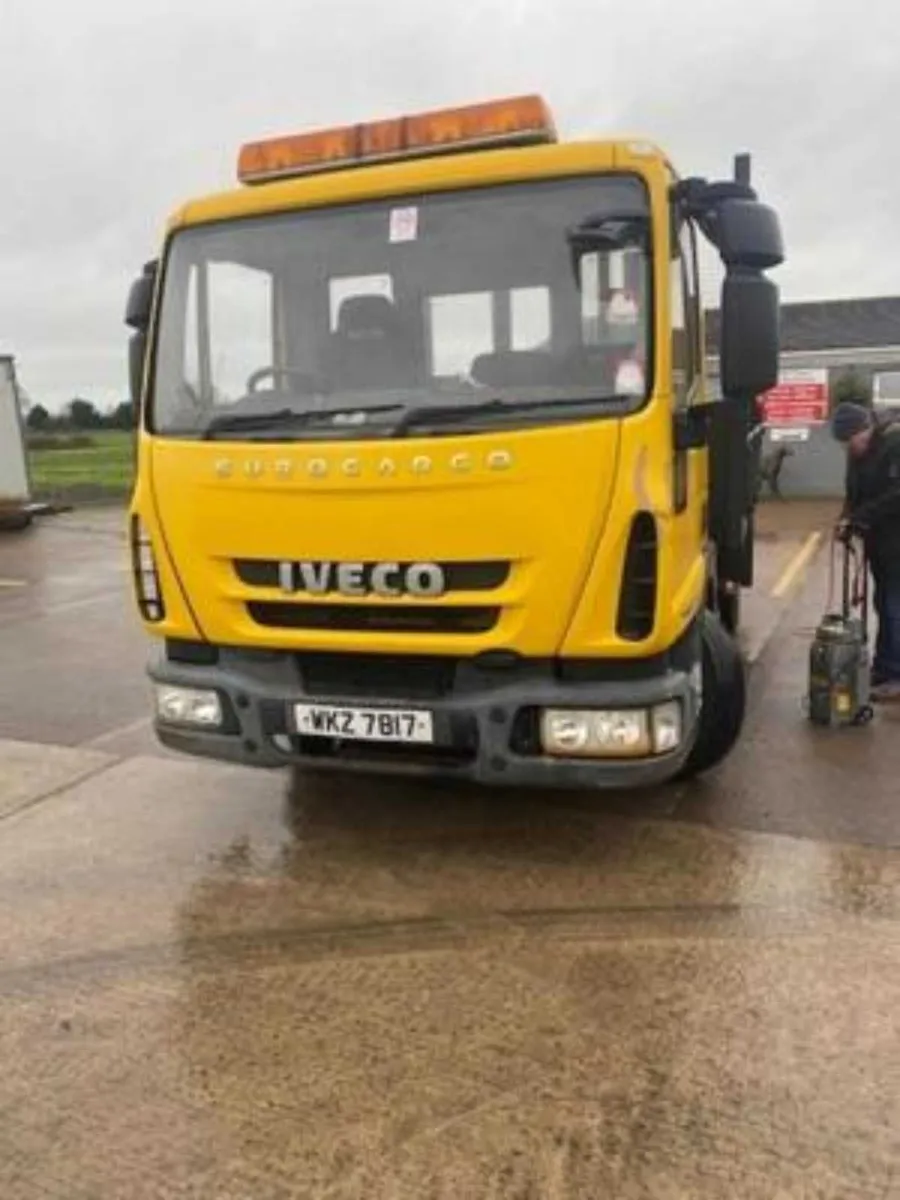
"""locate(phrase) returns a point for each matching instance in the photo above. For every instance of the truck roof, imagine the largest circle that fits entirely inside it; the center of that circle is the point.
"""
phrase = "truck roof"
(432, 173)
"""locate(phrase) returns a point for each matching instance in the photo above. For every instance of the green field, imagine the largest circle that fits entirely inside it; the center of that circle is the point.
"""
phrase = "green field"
(102, 470)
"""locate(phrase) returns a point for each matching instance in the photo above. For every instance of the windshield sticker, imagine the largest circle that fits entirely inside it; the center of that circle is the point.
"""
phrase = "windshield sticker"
(404, 224)
(622, 309)
(630, 378)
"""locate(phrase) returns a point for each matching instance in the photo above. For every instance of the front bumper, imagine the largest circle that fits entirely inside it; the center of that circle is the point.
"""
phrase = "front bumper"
(484, 712)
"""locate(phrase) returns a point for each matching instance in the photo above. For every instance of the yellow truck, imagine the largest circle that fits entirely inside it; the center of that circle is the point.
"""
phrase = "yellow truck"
(431, 475)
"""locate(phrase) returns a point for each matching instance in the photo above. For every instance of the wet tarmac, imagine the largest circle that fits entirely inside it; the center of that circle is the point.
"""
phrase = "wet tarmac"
(222, 985)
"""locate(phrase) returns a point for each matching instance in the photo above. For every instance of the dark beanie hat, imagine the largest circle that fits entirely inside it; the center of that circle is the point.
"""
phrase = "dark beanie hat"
(848, 420)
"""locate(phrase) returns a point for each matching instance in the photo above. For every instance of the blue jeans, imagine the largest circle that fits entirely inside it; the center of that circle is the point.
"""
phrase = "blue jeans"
(886, 577)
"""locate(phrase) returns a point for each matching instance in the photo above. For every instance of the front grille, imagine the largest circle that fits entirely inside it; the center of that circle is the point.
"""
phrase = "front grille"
(458, 576)
(364, 618)
(410, 677)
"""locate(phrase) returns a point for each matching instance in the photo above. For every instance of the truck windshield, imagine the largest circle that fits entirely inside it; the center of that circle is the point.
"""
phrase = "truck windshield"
(524, 302)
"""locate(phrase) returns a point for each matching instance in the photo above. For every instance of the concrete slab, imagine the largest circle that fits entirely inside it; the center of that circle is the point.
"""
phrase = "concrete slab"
(72, 651)
(390, 991)
(29, 772)
(73, 673)
(134, 738)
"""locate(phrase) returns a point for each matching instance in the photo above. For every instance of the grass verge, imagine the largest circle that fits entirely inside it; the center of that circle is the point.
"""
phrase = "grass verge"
(79, 474)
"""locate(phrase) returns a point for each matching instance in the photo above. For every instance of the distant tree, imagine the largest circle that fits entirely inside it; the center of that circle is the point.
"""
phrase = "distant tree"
(83, 414)
(39, 419)
(121, 417)
(852, 385)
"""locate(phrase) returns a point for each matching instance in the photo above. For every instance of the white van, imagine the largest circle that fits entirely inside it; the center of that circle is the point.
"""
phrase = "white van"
(15, 489)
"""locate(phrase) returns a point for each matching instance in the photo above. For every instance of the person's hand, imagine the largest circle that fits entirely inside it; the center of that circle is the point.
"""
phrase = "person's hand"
(848, 528)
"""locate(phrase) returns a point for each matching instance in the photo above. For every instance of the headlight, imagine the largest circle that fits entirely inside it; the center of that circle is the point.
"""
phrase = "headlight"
(622, 732)
(588, 733)
(145, 573)
(566, 732)
(188, 706)
(611, 733)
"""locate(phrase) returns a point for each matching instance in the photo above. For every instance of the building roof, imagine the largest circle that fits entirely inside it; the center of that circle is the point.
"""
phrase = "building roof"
(830, 325)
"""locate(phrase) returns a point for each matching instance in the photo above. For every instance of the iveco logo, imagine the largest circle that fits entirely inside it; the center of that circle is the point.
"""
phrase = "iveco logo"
(362, 579)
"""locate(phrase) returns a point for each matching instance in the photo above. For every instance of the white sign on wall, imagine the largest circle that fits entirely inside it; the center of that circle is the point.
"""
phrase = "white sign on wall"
(797, 434)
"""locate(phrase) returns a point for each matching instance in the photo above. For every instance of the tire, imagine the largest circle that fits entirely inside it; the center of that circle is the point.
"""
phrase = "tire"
(730, 610)
(724, 698)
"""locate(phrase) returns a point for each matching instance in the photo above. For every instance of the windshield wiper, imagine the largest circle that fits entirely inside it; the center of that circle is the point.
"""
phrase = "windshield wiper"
(426, 415)
(420, 414)
(290, 418)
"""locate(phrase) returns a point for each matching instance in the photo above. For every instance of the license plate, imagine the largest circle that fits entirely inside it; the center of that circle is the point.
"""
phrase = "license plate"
(364, 724)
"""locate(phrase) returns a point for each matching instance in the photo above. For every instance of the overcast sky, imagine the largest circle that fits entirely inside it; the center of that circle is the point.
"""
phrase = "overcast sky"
(111, 114)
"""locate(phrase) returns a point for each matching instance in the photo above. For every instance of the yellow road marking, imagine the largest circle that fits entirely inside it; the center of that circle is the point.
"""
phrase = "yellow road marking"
(796, 566)
(13, 583)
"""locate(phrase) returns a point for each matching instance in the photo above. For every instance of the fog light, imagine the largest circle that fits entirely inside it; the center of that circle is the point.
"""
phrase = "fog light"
(666, 722)
(565, 732)
(188, 706)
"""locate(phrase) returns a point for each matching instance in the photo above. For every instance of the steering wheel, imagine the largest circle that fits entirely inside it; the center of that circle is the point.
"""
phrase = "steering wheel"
(309, 382)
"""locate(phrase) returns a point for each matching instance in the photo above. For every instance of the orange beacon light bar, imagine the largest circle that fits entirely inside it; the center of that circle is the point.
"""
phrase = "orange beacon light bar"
(519, 121)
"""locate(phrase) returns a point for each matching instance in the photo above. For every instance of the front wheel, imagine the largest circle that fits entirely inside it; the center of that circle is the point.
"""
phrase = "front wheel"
(724, 698)
(730, 608)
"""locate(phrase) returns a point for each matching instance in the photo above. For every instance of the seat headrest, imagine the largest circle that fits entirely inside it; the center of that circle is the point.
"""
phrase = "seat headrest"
(366, 314)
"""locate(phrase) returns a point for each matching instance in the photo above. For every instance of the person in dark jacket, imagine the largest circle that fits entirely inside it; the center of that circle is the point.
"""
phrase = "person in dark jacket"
(872, 510)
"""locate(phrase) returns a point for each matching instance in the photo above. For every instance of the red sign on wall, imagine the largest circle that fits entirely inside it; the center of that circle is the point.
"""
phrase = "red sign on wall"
(799, 398)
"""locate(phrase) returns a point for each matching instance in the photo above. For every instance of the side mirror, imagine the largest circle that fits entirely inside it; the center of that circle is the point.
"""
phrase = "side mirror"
(138, 310)
(748, 234)
(140, 299)
(137, 353)
(750, 335)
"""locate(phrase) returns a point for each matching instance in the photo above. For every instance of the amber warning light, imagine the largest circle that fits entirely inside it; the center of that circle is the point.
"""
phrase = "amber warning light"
(520, 121)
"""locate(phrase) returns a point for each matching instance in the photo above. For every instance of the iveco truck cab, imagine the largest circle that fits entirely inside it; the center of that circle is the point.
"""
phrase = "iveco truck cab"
(431, 476)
